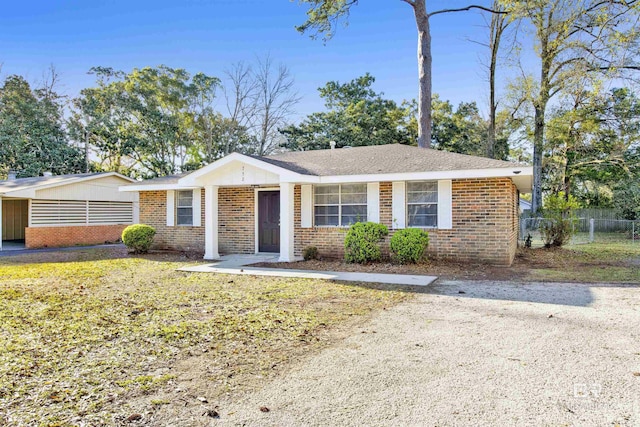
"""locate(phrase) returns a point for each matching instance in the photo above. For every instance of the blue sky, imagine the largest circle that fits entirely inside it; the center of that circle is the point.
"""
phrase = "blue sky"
(209, 35)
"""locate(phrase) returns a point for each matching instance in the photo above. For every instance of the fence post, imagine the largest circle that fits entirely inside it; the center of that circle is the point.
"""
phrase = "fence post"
(591, 230)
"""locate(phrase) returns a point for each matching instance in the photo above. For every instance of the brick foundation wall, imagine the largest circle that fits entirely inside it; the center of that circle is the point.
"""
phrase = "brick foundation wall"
(153, 212)
(236, 220)
(51, 237)
(485, 224)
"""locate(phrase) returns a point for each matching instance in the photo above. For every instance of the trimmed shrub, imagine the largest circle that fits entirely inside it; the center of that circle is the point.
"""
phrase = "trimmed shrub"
(138, 237)
(309, 253)
(408, 246)
(362, 243)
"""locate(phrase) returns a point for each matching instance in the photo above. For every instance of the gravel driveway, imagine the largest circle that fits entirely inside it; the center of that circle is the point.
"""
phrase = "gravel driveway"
(470, 353)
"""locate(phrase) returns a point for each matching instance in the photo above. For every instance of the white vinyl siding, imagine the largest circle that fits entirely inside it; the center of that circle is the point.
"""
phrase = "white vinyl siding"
(340, 204)
(184, 207)
(79, 212)
(422, 204)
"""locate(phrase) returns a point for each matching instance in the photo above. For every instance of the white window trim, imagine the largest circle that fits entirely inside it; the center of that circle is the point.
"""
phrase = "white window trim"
(437, 203)
(340, 204)
(177, 206)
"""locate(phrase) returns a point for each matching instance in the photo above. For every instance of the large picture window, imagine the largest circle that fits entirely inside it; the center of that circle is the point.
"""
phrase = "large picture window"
(340, 204)
(184, 207)
(422, 203)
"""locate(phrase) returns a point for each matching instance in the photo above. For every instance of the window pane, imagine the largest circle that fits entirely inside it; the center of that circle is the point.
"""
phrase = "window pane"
(426, 197)
(326, 220)
(326, 189)
(185, 198)
(423, 209)
(185, 216)
(423, 215)
(422, 186)
(326, 210)
(353, 214)
(354, 198)
(327, 199)
(354, 188)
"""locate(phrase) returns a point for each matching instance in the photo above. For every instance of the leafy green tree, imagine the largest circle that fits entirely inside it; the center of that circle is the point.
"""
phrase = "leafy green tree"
(32, 135)
(577, 42)
(356, 115)
(147, 122)
(591, 144)
(324, 15)
(460, 131)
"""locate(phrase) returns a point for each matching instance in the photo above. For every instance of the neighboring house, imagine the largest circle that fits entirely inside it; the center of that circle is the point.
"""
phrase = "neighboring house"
(65, 210)
(524, 206)
(284, 203)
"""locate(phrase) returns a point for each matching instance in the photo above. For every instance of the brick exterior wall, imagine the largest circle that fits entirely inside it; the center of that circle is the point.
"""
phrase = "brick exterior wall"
(236, 220)
(51, 237)
(153, 212)
(485, 223)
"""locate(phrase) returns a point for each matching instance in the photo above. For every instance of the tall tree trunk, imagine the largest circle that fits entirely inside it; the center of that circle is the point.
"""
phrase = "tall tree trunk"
(498, 25)
(538, 146)
(424, 74)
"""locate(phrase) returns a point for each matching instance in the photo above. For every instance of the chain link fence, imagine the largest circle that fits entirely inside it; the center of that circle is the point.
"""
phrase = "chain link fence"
(586, 230)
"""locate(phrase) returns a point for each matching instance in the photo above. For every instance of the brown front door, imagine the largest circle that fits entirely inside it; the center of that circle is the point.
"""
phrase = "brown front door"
(268, 221)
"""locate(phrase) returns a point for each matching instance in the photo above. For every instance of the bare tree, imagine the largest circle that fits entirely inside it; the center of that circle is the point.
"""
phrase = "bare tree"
(260, 100)
(276, 98)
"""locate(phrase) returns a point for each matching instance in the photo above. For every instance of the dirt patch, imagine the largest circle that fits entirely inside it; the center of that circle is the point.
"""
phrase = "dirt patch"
(554, 264)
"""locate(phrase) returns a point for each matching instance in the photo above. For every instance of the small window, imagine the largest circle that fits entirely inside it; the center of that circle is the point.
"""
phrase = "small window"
(340, 204)
(184, 207)
(422, 204)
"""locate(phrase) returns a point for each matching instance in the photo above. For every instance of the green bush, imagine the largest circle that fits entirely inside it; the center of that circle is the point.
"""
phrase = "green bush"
(138, 237)
(309, 253)
(558, 222)
(408, 246)
(361, 244)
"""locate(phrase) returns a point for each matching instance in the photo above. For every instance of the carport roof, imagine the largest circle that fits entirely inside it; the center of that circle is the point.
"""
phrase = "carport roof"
(20, 184)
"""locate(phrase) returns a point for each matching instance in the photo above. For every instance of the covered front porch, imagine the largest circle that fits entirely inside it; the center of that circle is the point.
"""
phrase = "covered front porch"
(248, 207)
(272, 220)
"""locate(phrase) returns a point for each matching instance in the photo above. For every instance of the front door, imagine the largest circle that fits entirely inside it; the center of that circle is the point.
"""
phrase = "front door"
(268, 221)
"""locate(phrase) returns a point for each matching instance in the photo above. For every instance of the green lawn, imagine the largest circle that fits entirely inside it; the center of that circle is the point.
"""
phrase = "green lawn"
(613, 261)
(85, 333)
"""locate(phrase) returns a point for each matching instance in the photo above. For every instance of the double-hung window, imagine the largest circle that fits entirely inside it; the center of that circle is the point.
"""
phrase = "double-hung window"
(422, 203)
(184, 207)
(340, 204)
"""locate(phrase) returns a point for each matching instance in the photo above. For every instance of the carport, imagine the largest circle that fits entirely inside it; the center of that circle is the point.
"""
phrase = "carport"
(64, 210)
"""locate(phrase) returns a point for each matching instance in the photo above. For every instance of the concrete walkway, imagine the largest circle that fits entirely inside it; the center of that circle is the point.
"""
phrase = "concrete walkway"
(236, 264)
(22, 251)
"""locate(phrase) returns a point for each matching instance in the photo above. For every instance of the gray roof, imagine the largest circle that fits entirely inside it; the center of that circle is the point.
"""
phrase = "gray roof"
(379, 159)
(37, 181)
(163, 180)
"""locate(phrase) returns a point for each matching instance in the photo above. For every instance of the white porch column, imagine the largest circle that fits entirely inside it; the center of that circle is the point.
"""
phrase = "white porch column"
(286, 222)
(211, 222)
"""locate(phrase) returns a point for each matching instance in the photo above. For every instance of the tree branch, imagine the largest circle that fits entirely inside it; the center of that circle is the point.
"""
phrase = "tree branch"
(464, 9)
